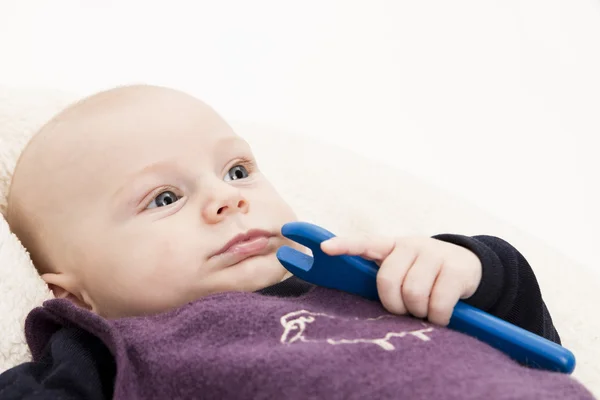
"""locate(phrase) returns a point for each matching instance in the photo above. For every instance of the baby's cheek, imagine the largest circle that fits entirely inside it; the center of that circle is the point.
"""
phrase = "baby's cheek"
(152, 279)
(170, 261)
(132, 273)
(273, 205)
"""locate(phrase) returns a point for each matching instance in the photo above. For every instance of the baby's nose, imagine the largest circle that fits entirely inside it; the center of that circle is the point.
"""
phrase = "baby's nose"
(240, 206)
(219, 208)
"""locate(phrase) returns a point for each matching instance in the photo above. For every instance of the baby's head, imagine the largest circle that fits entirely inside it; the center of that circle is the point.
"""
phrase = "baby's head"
(128, 202)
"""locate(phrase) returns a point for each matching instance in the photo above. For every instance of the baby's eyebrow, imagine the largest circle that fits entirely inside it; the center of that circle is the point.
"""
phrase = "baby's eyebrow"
(235, 141)
(137, 181)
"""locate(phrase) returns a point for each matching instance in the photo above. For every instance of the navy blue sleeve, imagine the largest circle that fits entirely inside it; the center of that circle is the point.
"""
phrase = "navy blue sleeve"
(75, 365)
(508, 288)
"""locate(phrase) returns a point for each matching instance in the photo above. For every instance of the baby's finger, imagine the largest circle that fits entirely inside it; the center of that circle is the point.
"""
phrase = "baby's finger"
(390, 277)
(418, 284)
(374, 249)
(444, 296)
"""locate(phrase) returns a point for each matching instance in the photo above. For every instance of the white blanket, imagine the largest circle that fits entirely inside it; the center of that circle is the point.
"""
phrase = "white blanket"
(340, 191)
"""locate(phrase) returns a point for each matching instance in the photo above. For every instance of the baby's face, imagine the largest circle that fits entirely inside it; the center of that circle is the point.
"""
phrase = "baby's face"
(157, 203)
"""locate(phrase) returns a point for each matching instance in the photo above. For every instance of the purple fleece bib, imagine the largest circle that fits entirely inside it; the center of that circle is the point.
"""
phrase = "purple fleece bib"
(323, 344)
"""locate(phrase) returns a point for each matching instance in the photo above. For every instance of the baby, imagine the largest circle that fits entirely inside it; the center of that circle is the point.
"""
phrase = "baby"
(152, 224)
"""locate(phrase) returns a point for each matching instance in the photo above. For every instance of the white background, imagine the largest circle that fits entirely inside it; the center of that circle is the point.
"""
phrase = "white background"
(497, 101)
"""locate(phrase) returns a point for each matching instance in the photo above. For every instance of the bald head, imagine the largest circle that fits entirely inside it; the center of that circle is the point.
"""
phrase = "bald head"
(126, 199)
(70, 159)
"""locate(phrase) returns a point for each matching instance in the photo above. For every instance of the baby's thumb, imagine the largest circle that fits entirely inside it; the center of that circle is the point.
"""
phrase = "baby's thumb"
(333, 246)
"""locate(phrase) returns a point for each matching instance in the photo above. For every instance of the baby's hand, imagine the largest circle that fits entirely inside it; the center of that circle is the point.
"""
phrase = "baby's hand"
(419, 275)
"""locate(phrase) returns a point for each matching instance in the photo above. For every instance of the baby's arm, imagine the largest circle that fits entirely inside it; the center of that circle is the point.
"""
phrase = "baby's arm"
(508, 287)
(75, 365)
(426, 277)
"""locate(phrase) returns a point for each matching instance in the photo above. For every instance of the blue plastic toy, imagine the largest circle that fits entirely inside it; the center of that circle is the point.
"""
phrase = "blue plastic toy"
(356, 275)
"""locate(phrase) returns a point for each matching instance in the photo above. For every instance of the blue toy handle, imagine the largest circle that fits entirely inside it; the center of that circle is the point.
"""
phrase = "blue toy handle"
(518, 343)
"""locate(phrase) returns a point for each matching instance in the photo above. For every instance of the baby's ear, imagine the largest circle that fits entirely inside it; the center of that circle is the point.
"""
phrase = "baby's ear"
(61, 287)
(59, 292)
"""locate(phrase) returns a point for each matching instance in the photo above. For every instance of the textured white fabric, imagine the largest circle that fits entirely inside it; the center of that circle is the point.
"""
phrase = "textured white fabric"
(335, 188)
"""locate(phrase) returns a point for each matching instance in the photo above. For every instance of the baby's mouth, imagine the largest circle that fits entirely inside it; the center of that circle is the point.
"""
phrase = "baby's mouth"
(249, 246)
(251, 243)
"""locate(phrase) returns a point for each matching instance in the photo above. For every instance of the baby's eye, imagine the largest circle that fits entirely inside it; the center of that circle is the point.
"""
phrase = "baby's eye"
(237, 172)
(164, 199)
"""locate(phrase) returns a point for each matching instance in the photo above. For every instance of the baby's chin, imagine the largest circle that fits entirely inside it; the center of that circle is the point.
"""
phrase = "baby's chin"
(257, 273)
(250, 275)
